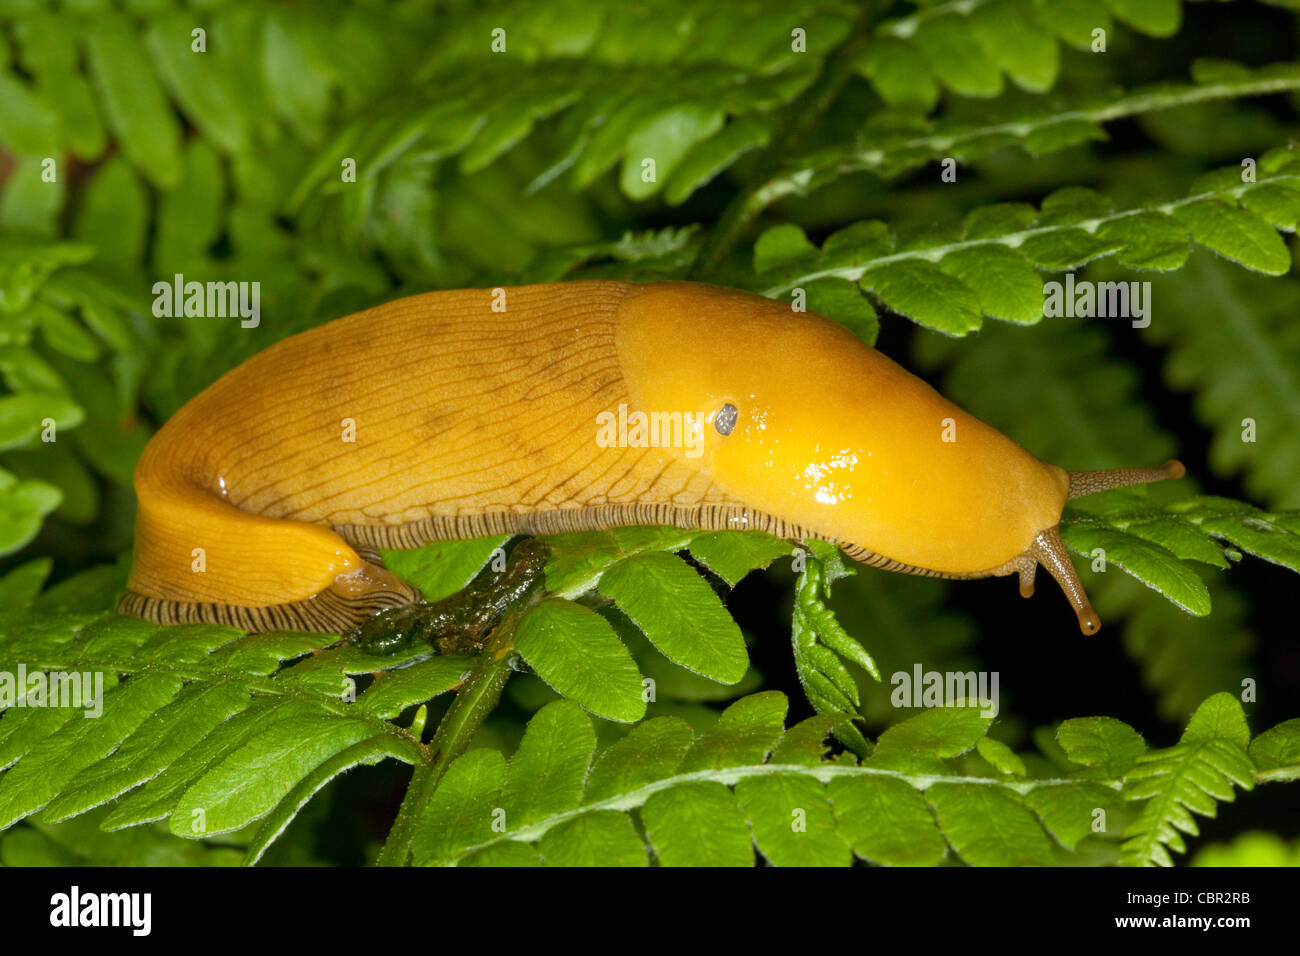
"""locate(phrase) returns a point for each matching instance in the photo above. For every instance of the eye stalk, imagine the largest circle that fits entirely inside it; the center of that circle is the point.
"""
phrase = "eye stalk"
(725, 419)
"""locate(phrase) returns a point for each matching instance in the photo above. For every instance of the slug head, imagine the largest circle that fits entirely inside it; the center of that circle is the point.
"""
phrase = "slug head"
(804, 421)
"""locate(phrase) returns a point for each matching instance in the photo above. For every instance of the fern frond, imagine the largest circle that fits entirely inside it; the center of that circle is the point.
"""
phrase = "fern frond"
(666, 95)
(709, 799)
(23, 504)
(967, 45)
(1276, 752)
(1153, 535)
(822, 646)
(1189, 778)
(201, 726)
(947, 279)
(56, 317)
(891, 145)
(666, 794)
(577, 651)
(212, 731)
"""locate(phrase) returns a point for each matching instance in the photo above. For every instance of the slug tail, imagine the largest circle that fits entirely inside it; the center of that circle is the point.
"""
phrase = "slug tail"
(1049, 551)
(1090, 482)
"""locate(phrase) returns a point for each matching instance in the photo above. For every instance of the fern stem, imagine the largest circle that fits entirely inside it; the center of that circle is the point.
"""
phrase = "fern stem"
(476, 699)
(756, 196)
(804, 172)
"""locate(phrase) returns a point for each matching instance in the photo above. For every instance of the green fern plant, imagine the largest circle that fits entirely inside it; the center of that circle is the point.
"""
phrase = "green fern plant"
(797, 152)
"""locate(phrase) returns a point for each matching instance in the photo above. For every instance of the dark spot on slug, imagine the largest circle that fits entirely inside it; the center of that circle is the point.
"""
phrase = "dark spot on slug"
(725, 420)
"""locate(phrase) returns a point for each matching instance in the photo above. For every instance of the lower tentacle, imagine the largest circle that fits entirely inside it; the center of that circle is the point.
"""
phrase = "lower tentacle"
(1049, 551)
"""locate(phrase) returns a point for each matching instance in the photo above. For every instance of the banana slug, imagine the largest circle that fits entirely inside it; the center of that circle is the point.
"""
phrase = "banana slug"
(476, 412)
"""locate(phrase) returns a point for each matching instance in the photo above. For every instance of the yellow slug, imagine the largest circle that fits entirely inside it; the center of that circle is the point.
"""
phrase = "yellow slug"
(476, 412)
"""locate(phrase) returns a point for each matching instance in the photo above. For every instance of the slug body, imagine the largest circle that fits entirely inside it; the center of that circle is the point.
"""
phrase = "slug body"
(565, 407)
